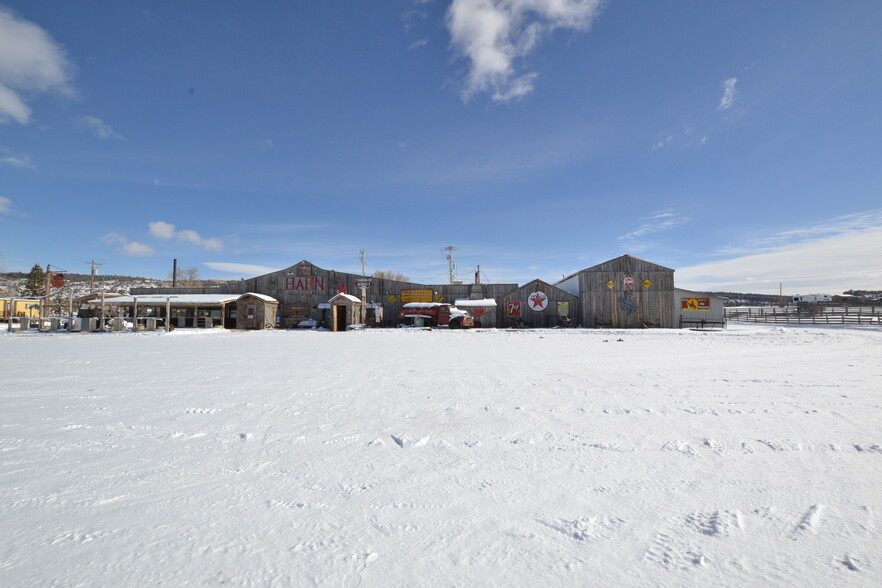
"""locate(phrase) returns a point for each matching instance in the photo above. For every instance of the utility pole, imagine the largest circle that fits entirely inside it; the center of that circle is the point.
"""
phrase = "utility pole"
(92, 275)
(363, 317)
(449, 249)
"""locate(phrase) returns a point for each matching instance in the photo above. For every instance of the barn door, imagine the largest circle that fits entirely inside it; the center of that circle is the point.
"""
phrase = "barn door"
(250, 316)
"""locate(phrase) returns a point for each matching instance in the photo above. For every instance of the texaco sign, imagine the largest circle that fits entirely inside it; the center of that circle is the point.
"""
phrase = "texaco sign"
(538, 301)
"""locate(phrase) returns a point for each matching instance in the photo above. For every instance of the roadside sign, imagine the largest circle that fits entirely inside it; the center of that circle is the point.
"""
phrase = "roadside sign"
(57, 280)
(538, 301)
(363, 282)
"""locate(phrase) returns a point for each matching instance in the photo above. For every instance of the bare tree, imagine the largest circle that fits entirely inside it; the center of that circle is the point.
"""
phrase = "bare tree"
(187, 277)
(390, 275)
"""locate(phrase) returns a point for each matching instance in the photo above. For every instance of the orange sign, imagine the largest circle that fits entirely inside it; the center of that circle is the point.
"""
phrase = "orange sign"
(57, 280)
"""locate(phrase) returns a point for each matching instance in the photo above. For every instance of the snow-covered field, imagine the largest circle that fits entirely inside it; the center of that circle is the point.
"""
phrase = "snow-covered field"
(747, 457)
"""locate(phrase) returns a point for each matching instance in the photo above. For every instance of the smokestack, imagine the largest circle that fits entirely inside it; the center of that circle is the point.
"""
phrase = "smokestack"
(175, 274)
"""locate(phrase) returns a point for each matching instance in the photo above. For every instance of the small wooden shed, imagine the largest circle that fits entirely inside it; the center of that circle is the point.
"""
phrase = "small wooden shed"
(256, 311)
(345, 311)
(539, 305)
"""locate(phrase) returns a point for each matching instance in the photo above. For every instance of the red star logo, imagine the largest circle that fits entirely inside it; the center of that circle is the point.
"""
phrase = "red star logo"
(341, 288)
(537, 301)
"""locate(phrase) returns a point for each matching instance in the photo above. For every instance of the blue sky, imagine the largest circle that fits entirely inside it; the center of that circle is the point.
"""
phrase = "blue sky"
(736, 142)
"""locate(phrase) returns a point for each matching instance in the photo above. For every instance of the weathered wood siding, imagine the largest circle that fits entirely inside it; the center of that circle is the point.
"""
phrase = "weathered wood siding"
(532, 318)
(627, 306)
(264, 313)
(301, 287)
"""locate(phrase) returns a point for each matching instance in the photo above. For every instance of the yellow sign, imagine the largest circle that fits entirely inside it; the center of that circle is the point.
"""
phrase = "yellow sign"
(647, 283)
(416, 296)
(439, 298)
(695, 305)
(610, 284)
(563, 308)
(391, 299)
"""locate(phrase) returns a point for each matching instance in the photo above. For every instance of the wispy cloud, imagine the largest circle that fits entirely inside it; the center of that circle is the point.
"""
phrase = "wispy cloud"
(31, 63)
(166, 231)
(5, 205)
(418, 44)
(728, 98)
(663, 220)
(843, 253)
(97, 127)
(130, 248)
(242, 269)
(22, 161)
(135, 249)
(495, 34)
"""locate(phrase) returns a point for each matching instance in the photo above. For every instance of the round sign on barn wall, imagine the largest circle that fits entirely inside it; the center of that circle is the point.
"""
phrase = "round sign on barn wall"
(538, 300)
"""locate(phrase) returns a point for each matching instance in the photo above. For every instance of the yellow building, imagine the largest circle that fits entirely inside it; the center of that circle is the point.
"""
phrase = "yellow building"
(29, 307)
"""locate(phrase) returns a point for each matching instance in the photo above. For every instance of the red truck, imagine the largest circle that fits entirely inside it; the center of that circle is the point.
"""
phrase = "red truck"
(434, 314)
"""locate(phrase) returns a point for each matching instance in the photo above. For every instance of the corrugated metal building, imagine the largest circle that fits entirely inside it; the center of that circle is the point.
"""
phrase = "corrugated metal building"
(698, 310)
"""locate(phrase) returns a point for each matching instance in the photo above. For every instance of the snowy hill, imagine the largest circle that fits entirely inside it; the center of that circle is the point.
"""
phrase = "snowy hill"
(11, 283)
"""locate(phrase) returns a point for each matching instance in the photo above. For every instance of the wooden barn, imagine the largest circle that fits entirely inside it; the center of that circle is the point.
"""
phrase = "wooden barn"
(624, 293)
(538, 305)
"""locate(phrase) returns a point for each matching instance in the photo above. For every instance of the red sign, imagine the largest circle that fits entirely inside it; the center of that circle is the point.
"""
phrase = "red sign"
(479, 312)
(629, 281)
(538, 300)
(57, 280)
(513, 308)
(307, 283)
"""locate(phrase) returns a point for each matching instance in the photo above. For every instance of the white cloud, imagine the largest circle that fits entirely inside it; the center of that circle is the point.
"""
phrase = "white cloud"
(114, 239)
(97, 127)
(5, 205)
(135, 249)
(728, 98)
(164, 230)
(663, 220)
(130, 248)
(826, 258)
(418, 44)
(31, 63)
(495, 34)
(15, 161)
(242, 269)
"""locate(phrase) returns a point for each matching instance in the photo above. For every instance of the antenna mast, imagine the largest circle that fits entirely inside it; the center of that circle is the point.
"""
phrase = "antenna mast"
(449, 249)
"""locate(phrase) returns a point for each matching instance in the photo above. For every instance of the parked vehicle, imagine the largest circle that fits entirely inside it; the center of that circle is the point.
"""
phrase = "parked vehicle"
(434, 314)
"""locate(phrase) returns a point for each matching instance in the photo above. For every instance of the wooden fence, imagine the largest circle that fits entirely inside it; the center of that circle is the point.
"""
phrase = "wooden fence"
(808, 315)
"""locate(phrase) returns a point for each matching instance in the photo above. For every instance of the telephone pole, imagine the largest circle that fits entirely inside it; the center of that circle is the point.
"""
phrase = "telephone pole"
(92, 275)
(449, 249)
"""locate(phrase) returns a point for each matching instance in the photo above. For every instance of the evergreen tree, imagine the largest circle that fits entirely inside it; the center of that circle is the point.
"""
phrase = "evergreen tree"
(35, 284)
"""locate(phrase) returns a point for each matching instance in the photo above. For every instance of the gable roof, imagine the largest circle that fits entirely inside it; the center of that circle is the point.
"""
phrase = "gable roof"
(626, 262)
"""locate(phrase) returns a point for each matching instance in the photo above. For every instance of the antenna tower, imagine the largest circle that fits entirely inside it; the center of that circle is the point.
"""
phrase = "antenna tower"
(449, 249)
